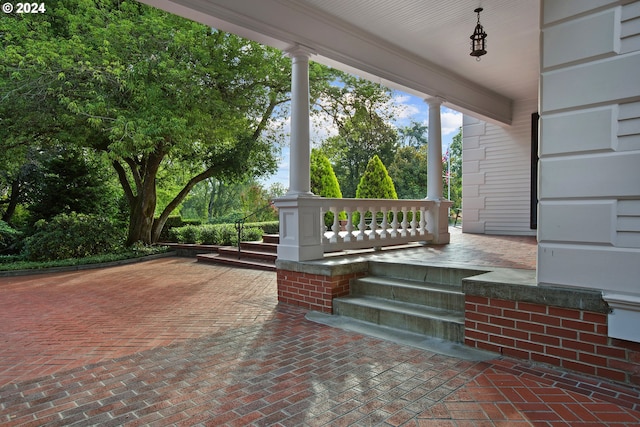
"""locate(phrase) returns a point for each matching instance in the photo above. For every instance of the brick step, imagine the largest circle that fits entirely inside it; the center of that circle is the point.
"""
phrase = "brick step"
(271, 238)
(232, 252)
(430, 321)
(234, 261)
(259, 246)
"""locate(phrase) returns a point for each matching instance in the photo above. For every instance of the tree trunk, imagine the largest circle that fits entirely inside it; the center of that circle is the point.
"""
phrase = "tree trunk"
(13, 202)
(158, 224)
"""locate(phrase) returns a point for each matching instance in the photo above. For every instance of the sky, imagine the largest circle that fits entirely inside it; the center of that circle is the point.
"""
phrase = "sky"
(408, 108)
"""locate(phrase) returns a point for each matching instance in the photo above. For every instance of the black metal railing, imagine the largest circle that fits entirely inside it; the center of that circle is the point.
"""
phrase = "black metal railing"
(239, 223)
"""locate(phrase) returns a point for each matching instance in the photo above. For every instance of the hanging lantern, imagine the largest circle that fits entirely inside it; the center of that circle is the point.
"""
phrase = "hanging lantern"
(478, 39)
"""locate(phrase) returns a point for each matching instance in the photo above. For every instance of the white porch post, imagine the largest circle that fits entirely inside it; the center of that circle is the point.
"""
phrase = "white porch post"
(300, 222)
(300, 145)
(434, 151)
(437, 219)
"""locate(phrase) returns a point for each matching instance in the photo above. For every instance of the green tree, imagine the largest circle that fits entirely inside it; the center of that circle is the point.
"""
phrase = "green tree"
(455, 174)
(70, 180)
(376, 182)
(409, 172)
(145, 87)
(362, 112)
(414, 135)
(324, 182)
(323, 179)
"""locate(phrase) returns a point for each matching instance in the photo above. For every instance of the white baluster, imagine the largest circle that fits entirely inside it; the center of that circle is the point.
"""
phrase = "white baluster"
(348, 237)
(335, 227)
(423, 221)
(362, 226)
(414, 221)
(405, 224)
(373, 226)
(394, 223)
(385, 224)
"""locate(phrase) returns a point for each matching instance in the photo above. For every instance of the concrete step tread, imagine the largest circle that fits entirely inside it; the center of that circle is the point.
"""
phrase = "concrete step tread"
(412, 284)
(416, 310)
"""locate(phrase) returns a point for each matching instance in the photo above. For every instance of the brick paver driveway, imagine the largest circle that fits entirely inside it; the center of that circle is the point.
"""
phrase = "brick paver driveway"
(173, 342)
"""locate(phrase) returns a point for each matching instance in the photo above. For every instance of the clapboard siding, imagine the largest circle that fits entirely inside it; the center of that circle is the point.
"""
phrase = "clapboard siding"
(503, 197)
(630, 28)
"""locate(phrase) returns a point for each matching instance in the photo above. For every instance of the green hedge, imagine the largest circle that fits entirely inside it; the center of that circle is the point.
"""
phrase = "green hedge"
(73, 236)
(220, 234)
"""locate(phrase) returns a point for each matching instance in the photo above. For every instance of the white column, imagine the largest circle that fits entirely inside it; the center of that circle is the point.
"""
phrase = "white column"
(434, 151)
(437, 217)
(300, 144)
(301, 222)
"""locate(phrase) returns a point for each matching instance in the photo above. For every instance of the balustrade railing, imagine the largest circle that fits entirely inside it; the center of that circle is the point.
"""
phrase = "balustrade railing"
(312, 226)
(366, 223)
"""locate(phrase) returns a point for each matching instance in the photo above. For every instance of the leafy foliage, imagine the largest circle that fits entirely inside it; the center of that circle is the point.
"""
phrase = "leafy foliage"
(362, 113)
(409, 172)
(324, 182)
(214, 234)
(8, 236)
(73, 236)
(70, 180)
(153, 91)
(376, 182)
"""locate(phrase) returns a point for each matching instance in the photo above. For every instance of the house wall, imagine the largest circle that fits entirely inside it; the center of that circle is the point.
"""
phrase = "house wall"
(589, 170)
(496, 174)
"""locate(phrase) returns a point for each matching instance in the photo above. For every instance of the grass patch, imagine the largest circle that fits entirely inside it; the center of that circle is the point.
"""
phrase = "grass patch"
(13, 263)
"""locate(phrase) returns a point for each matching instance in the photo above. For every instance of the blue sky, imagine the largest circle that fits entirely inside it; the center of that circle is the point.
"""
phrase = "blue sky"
(408, 108)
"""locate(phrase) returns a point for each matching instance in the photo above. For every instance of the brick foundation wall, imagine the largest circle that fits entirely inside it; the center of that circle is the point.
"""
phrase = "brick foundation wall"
(312, 291)
(569, 338)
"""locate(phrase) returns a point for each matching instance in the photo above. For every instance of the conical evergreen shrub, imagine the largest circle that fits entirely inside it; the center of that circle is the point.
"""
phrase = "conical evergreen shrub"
(324, 182)
(374, 184)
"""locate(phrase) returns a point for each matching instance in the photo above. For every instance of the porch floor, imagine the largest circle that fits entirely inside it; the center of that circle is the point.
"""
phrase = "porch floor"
(464, 250)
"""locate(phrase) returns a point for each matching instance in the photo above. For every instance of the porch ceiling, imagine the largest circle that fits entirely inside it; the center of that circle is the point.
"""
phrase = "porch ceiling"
(418, 46)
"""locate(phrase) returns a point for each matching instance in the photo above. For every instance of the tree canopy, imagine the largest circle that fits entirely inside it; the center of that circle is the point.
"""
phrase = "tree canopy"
(149, 89)
(361, 111)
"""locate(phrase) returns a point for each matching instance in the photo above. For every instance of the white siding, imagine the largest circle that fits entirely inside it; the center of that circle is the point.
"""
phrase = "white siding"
(589, 184)
(496, 177)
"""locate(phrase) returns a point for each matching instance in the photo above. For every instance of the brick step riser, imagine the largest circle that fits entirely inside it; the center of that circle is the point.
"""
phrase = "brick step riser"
(271, 238)
(259, 246)
(433, 327)
(233, 253)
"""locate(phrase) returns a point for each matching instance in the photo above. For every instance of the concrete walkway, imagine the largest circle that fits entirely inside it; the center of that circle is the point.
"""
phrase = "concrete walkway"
(173, 342)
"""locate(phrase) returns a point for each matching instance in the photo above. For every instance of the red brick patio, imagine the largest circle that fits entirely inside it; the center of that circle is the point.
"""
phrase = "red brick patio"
(173, 342)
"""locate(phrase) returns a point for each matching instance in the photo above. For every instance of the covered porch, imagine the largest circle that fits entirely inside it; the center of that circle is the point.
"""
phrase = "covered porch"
(578, 308)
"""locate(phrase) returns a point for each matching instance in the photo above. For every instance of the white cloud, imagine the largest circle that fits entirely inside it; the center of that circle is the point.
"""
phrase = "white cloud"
(450, 121)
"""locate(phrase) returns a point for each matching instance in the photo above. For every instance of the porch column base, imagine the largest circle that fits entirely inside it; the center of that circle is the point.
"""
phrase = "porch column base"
(438, 222)
(300, 228)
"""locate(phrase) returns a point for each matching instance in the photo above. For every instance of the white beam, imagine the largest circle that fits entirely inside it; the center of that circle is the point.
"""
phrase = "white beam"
(284, 24)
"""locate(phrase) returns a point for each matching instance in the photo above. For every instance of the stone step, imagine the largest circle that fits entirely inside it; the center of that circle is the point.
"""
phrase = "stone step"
(430, 321)
(448, 297)
(234, 261)
(422, 273)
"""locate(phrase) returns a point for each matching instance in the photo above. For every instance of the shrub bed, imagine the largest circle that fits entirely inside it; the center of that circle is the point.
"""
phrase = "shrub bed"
(221, 234)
